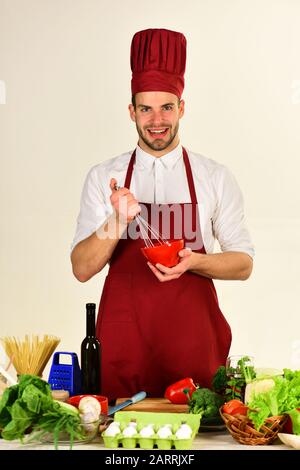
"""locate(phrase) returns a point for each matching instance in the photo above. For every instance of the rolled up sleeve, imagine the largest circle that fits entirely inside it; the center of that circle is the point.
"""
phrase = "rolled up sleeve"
(93, 207)
(229, 224)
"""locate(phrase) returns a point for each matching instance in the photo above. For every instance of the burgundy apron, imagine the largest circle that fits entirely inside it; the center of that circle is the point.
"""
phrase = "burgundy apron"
(154, 333)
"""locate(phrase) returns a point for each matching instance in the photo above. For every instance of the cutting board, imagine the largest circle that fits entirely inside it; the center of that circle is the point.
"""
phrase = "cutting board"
(157, 405)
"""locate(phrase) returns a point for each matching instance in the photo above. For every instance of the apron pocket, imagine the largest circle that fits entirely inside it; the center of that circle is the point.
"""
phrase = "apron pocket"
(118, 303)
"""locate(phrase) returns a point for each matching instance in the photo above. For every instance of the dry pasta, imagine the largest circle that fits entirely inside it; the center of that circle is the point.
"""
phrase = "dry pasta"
(30, 355)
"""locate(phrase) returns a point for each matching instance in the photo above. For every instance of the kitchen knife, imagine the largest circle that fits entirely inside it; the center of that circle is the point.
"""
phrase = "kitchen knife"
(137, 397)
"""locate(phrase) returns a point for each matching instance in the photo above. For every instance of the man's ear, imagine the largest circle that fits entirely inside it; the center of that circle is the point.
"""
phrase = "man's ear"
(132, 112)
(181, 108)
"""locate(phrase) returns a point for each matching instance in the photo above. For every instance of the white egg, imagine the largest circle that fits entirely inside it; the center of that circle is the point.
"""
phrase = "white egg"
(113, 430)
(130, 430)
(114, 423)
(147, 431)
(184, 432)
(165, 431)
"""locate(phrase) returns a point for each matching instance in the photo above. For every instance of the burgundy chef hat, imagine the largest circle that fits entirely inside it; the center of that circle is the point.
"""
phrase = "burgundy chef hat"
(157, 60)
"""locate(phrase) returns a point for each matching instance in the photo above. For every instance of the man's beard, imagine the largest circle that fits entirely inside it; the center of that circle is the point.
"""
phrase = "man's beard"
(158, 144)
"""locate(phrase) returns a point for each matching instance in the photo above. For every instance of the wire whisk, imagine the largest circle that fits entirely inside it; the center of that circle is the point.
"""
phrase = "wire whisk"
(146, 228)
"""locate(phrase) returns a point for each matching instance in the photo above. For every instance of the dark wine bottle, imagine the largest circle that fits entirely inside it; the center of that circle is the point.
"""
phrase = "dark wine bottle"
(90, 356)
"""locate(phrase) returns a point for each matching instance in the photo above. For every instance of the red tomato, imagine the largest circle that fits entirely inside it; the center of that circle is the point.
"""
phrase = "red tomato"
(240, 410)
(288, 427)
(231, 405)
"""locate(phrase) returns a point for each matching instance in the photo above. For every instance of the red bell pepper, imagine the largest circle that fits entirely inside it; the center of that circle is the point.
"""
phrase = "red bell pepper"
(180, 391)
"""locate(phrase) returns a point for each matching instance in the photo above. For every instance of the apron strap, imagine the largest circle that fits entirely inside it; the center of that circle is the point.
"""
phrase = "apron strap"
(188, 170)
(189, 175)
(130, 170)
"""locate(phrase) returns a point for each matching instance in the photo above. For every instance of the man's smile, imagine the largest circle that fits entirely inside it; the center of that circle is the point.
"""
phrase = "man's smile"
(158, 132)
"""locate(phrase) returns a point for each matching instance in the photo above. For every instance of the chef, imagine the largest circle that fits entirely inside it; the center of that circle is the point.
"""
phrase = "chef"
(158, 324)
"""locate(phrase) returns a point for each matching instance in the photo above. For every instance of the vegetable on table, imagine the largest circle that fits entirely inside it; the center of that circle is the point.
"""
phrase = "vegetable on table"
(22, 404)
(179, 392)
(256, 387)
(219, 381)
(240, 410)
(28, 407)
(283, 398)
(90, 410)
(57, 420)
(234, 407)
(206, 402)
(293, 423)
(67, 409)
(89, 405)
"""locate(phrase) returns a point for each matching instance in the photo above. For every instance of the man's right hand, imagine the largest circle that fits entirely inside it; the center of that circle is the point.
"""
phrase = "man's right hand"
(124, 203)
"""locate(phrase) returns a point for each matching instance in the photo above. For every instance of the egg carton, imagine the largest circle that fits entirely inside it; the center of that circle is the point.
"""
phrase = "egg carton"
(158, 420)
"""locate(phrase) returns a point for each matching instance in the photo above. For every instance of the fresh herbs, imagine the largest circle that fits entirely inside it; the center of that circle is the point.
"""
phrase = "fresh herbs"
(56, 422)
(231, 382)
(219, 381)
(246, 369)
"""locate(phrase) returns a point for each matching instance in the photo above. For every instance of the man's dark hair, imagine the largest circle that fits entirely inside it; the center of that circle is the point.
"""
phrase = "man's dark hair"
(134, 102)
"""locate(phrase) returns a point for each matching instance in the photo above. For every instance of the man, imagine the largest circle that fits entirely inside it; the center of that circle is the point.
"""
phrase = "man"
(159, 324)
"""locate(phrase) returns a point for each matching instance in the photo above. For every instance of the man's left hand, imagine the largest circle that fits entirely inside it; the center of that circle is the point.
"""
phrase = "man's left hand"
(164, 274)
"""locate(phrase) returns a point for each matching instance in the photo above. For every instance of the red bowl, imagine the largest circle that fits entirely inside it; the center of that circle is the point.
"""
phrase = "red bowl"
(166, 254)
(102, 400)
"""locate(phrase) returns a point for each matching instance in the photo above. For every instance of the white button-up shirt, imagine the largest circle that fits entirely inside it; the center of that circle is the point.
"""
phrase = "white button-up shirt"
(163, 181)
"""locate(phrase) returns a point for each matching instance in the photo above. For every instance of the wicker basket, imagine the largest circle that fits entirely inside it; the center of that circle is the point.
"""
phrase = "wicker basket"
(242, 429)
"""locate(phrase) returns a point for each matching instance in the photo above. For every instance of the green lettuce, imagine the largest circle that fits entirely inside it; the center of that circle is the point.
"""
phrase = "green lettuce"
(28, 407)
(283, 398)
(8, 398)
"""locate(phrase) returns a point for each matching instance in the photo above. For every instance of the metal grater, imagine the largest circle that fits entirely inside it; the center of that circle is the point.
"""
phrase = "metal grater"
(65, 376)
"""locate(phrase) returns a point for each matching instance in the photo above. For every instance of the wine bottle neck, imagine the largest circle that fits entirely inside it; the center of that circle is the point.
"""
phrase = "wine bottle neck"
(90, 323)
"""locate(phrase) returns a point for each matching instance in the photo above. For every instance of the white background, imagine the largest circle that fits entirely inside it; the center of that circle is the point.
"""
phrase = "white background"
(65, 65)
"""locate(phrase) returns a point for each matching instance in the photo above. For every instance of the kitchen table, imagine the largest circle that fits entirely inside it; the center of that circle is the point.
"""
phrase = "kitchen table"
(203, 441)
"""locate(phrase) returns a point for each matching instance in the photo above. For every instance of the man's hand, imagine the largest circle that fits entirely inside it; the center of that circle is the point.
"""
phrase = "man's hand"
(124, 203)
(164, 274)
(231, 265)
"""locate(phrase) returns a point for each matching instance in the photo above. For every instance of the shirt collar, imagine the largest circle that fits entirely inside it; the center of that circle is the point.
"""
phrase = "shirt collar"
(168, 160)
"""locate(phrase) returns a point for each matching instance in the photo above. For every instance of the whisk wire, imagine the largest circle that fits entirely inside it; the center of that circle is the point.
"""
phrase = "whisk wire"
(146, 228)
(154, 234)
(147, 240)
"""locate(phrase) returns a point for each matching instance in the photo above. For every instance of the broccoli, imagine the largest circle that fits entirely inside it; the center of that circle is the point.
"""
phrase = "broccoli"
(219, 381)
(206, 402)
